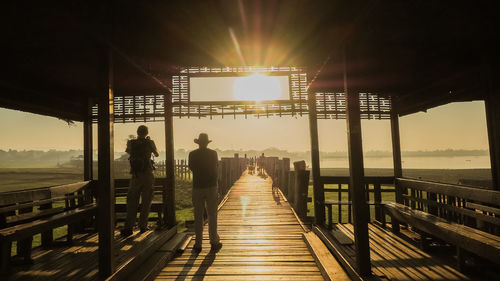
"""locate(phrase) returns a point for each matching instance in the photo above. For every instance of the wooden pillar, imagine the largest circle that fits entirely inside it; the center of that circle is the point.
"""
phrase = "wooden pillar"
(360, 210)
(492, 105)
(396, 149)
(169, 191)
(105, 198)
(87, 145)
(318, 190)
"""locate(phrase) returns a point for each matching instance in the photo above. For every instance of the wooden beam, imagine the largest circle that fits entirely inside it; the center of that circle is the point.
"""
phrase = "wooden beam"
(169, 192)
(360, 209)
(492, 105)
(319, 193)
(328, 265)
(31, 102)
(106, 199)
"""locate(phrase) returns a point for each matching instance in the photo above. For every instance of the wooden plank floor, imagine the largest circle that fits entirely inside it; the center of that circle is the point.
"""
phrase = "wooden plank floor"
(397, 259)
(262, 240)
(79, 261)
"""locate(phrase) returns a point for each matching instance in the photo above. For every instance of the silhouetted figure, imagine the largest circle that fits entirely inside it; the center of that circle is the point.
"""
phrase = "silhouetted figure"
(204, 163)
(141, 183)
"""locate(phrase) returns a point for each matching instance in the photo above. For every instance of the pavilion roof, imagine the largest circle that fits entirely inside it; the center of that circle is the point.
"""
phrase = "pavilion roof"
(425, 53)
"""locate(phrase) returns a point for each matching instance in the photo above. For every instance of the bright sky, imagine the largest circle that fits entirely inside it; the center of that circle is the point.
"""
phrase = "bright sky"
(253, 87)
(455, 126)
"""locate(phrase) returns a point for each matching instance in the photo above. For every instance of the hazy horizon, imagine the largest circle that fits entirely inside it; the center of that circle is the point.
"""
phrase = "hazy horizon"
(454, 126)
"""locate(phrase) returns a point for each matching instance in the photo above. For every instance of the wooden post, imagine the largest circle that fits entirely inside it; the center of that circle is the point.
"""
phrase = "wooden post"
(24, 245)
(377, 198)
(47, 236)
(360, 210)
(87, 145)
(291, 187)
(169, 189)
(88, 169)
(396, 150)
(492, 105)
(286, 171)
(318, 190)
(106, 199)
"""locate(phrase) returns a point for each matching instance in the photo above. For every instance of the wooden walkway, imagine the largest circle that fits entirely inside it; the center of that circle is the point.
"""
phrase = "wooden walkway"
(396, 259)
(262, 240)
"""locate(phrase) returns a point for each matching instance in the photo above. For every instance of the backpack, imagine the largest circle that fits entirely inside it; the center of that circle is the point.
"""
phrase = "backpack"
(140, 156)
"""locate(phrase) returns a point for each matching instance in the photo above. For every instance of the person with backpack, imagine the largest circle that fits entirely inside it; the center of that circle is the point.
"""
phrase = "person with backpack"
(204, 164)
(141, 183)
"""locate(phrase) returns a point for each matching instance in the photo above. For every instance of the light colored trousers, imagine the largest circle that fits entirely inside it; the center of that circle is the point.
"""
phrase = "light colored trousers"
(200, 197)
(142, 184)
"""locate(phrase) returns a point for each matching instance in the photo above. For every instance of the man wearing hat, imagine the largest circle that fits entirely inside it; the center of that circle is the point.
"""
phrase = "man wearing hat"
(204, 164)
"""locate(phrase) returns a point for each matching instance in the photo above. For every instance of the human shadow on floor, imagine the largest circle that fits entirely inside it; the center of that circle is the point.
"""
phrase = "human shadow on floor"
(205, 264)
(187, 267)
(202, 269)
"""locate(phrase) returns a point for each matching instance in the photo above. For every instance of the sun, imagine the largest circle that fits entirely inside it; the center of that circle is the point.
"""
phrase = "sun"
(256, 87)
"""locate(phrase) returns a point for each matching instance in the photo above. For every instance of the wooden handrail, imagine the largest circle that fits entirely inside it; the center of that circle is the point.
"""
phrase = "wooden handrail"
(367, 180)
(466, 192)
(26, 195)
(38, 203)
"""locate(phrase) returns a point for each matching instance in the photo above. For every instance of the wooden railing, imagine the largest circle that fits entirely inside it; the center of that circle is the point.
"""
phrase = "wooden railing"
(472, 206)
(25, 213)
(338, 208)
(292, 183)
(375, 189)
(182, 171)
(230, 170)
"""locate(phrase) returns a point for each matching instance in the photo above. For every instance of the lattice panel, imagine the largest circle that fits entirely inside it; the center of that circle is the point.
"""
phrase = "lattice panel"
(373, 106)
(150, 108)
(333, 106)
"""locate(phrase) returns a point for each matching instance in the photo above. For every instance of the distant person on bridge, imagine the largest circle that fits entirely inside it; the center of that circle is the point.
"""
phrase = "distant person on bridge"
(204, 164)
(141, 183)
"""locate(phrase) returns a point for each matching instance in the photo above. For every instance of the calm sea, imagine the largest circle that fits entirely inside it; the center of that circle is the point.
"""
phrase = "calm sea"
(459, 162)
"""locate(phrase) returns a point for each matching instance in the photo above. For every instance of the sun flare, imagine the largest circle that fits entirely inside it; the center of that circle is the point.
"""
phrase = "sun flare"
(257, 87)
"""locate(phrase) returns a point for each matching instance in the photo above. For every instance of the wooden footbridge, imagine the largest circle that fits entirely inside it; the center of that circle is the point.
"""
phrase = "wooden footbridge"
(262, 240)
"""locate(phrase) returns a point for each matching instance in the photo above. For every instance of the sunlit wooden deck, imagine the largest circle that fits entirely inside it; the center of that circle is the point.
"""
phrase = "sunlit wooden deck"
(394, 258)
(79, 261)
(262, 240)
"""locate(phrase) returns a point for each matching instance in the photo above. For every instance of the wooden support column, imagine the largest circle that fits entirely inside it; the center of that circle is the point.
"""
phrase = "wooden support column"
(169, 191)
(88, 169)
(318, 190)
(106, 189)
(360, 209)
(492, 104)
(396, 149)
(87, 145)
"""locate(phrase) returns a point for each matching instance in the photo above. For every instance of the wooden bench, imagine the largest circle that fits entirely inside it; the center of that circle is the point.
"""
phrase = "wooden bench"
(121, 191)
(29, 212)
(464, 216)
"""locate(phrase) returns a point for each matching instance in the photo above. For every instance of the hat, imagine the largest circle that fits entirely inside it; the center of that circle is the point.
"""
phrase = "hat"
(202, 139)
